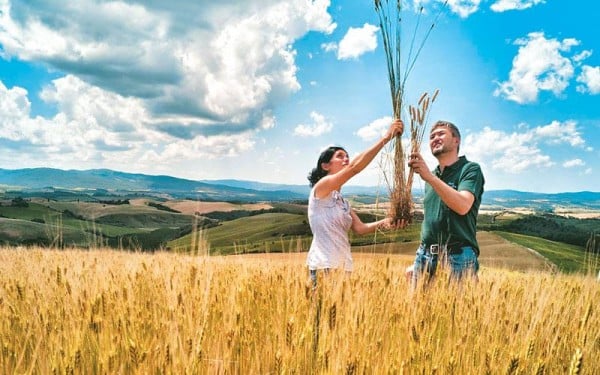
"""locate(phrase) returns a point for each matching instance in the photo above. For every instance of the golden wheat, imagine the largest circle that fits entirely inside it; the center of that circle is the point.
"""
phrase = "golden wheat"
(172, 313)
(576, 362)
(400, 183)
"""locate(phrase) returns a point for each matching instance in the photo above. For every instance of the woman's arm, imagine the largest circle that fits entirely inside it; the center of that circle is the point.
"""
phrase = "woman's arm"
(359, 227)
(335, 181)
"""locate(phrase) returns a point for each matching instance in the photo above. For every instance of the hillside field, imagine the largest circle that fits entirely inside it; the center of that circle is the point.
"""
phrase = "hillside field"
(181, 225)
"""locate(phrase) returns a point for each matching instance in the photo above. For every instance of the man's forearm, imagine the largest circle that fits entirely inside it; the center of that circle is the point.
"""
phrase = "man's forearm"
(458, 201)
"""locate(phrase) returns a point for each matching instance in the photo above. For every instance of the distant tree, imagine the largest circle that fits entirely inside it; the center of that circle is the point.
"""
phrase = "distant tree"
(19, 202)
(161, 207)
(593, 244)
(550, 227)
(115, 201)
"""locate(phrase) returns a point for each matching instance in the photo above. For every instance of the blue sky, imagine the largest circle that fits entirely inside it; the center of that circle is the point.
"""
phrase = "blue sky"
(254, 89)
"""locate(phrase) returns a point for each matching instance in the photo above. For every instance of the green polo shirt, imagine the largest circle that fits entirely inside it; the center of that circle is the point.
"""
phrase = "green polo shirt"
(441, 224)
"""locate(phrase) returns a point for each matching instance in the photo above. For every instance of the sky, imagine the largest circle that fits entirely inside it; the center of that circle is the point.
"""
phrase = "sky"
(256, 89)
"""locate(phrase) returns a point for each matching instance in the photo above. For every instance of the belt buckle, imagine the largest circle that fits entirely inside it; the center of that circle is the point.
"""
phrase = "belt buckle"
(434, 249)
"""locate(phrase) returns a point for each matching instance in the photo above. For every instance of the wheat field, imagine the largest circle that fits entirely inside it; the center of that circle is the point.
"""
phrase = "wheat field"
(109, 312)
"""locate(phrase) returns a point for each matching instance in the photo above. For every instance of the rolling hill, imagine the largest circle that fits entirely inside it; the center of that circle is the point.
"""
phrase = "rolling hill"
(105, 182)
(36, 181)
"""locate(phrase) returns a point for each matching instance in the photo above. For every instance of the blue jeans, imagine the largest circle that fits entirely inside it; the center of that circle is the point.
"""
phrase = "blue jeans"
(465, 263)
(313, 276)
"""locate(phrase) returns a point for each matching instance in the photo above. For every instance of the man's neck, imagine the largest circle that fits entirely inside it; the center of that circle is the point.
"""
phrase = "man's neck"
(446, 159)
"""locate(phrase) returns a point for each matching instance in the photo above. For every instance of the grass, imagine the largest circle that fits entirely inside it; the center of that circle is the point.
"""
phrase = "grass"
(79, 224)
(105, 311)
(94, 210)
(568, 258)
(33, 211)
(277, 232)
(31, 232)
(271, 232)
(73, 231)
(148, 228)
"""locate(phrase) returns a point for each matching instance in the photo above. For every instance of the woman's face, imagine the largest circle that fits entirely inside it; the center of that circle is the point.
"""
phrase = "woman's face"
(338, 161)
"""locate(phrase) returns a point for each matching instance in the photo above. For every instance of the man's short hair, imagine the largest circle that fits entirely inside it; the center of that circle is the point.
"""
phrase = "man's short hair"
(449, 125)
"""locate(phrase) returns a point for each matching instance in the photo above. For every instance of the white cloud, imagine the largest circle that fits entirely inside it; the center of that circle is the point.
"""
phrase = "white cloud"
(590, 79)
(578, 58)
(519, 151)
(14, 105)
(512, 153)
(67, 136)
(94, 125)
(573, 163)
(358, 41)
(189, 64)
(557, 132)
(538, 66)
(505, 5)
(149, 86)
(319, 126)
(464, 8)
(84, 103)
(329, 47)
(375, 129)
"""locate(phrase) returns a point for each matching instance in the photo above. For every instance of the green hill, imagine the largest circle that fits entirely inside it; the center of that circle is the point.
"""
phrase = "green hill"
(270, 232)
(568, 258)
(84, 224)
(48, 181)
(232, 228)
(17, 231)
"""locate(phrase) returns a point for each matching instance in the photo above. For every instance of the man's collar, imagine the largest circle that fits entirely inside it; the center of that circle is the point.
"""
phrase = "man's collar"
(457, 164)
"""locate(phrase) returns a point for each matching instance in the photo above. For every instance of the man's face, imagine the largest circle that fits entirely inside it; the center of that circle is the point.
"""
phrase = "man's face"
(442, 141)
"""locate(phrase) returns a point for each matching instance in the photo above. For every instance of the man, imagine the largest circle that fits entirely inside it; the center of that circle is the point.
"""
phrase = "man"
(452, 198)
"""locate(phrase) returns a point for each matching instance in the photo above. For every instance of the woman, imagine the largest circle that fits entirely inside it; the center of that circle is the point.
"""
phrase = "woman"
(329, 214)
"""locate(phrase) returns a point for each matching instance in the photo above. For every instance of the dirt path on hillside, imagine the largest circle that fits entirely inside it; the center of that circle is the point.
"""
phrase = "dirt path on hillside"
(500, 253)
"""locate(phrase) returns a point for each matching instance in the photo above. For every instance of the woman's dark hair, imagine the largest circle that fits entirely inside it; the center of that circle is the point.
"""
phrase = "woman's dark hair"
(318, 172)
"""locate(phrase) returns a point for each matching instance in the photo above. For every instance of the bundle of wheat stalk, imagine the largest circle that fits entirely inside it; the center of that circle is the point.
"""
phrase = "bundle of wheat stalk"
(401, 202)
(400, 184)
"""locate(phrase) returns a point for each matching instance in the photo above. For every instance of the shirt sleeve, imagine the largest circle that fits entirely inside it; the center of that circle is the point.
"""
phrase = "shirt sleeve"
(472, 180)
